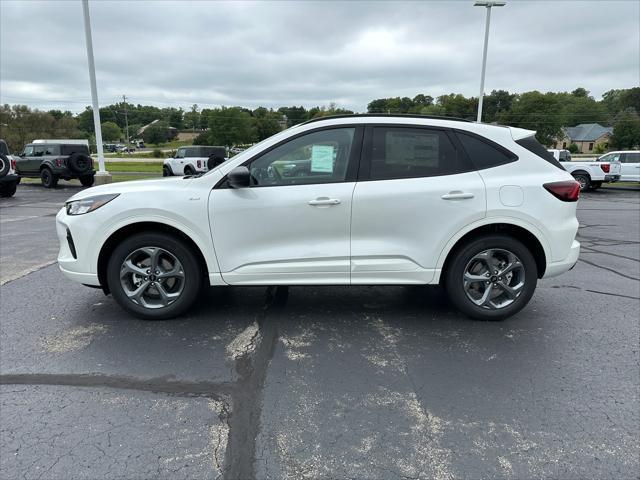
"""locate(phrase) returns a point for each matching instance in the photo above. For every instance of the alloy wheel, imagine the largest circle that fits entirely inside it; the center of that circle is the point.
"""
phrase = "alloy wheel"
(494, 278)
(152, 277)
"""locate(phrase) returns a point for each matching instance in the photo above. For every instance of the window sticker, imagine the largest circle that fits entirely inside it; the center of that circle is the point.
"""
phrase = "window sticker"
(322, 158)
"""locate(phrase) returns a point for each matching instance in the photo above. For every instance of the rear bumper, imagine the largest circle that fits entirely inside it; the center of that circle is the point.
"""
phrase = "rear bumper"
(558, 268)
(10, 178)
(612, 178)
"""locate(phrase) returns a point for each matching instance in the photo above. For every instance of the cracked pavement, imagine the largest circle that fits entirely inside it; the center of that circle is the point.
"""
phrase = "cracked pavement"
(325, 382)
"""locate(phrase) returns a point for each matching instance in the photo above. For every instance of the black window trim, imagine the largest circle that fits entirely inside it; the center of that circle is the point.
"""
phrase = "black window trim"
(352, 165)
(512, 156)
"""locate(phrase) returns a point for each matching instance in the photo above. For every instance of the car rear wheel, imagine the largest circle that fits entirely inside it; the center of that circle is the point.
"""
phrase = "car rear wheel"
(87, 180)
(491, 277)
(5, 165)
(49, 180)
(154, 276)
(583, 180)
(188, 170)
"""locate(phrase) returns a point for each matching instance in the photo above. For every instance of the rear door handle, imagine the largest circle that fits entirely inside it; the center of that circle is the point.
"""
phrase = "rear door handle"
(457, 195)
(323, 201)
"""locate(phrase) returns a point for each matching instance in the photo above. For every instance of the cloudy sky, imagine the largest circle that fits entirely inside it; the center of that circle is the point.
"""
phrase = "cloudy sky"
(172, 53)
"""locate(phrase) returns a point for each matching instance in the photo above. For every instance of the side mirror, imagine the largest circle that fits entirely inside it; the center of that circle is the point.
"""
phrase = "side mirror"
(239, 177)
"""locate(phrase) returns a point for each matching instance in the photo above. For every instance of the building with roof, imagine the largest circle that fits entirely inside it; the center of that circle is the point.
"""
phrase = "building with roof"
(587, 136)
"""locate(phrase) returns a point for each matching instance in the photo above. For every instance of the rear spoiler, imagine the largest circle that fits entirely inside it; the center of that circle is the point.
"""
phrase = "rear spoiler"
(520, 133)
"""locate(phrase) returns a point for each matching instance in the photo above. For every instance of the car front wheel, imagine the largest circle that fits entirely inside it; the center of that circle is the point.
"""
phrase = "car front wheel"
(154, 276)
(491, 277)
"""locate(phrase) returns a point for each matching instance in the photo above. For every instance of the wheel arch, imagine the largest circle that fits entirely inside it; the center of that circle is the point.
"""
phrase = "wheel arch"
(147, 226)
(581, 172)
(519, 232)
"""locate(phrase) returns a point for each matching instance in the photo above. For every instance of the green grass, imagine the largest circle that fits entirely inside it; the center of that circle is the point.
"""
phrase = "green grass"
(622, 184)
(150, 167)
(118, 177)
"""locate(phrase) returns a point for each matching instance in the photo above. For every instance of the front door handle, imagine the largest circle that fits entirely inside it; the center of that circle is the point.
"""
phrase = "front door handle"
(457, 195)
(323, 201)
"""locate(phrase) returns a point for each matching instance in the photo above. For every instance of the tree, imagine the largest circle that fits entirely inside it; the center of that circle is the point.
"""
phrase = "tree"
(266, 123)
(111, 131)
(295, 115)
(229, 127)
(536, 111)
(580, 92)
(626, 130)
(156, 133)
(192, 118)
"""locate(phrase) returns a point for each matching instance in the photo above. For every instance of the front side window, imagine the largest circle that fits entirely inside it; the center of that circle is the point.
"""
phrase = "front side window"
(317, 157)
(400, 152)
(28, 151)
(181, 153)
(39, 150)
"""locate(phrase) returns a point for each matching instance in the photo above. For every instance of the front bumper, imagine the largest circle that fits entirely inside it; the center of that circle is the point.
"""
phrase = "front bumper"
(612, 178)
(72, 256)
(558, 268)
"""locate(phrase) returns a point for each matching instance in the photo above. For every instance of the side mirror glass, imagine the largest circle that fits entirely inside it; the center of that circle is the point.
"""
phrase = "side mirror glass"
(239, 177)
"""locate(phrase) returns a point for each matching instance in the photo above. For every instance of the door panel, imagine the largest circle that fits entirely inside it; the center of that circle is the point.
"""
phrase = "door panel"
(273, 235)
(399, 227)
(630, 167)
(419, 188)
(291, 225)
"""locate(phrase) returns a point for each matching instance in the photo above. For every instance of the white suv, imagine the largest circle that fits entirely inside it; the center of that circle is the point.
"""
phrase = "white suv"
(193, 160)
(483, 210)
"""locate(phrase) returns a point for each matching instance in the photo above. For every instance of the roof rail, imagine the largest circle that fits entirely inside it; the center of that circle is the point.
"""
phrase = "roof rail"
(390, 115)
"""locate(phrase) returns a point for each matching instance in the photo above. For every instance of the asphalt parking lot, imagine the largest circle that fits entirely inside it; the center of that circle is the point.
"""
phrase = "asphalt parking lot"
(360, 382)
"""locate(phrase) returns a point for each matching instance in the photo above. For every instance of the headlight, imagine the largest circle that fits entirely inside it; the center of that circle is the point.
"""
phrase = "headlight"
(86, 205)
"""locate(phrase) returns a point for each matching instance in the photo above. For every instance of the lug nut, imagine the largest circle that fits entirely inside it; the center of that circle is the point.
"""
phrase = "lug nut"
(145, 278)
(148, 271)
(157, 272)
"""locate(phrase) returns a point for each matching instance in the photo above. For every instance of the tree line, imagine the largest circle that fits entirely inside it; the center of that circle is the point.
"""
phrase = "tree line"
(546, 113)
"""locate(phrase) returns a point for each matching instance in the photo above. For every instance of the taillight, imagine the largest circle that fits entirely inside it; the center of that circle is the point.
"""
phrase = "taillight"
(198, 162)
(606, 168)
(13, 164)
(59, 162)
(567, 191)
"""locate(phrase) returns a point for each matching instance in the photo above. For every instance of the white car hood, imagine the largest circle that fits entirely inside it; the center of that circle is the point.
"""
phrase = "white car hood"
(159, 186)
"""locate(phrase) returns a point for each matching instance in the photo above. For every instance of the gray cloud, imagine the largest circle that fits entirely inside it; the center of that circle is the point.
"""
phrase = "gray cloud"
(310, 53)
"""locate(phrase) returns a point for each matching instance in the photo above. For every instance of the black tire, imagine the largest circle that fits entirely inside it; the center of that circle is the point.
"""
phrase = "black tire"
(79, 163)
(584, 180)
(463, 255)
(189, 170)
(595, 185)
(193, 278)
(49, 180)
(166, 171)
(214, 161)
(5, 165)
(8, 190)
(87, 180)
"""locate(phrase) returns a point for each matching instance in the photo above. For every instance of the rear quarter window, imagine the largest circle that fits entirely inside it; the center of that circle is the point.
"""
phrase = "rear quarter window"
(483, 152)
(531, 144)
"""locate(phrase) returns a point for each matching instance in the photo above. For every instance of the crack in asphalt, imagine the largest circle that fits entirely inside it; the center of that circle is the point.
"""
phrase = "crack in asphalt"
(613, 294)
(217, 391)
(608, 269)
(246, 396)
(593, 250)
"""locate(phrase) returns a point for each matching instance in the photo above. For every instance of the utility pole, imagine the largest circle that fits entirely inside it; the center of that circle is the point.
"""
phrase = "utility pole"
(102, 176)
(487, 5)
(126, 120)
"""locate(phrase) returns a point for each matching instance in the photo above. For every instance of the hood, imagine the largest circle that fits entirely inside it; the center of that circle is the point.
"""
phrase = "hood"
(159, 186)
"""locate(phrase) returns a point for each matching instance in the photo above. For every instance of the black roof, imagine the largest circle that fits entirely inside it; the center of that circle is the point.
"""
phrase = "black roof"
(389, 115)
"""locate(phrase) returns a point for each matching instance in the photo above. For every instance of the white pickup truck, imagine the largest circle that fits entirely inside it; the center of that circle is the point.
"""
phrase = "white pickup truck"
(195, 159)
(590, 174)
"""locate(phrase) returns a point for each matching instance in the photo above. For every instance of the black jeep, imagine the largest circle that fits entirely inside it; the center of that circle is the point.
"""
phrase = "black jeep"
(53, 161)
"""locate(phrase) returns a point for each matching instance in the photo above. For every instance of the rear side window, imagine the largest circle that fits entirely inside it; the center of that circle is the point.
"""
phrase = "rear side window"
(531, 144)
(484, 153)
(399, 152)
(71, 149)
(217, 151)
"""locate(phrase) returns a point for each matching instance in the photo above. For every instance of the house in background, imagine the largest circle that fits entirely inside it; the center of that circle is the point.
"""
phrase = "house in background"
(586, 136)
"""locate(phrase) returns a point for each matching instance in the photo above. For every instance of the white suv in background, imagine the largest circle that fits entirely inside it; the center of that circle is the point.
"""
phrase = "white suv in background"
(193, 160)
(483, 210)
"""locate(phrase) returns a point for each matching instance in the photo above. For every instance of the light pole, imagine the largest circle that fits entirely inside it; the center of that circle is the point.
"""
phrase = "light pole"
(102, 176)
(487, 5)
